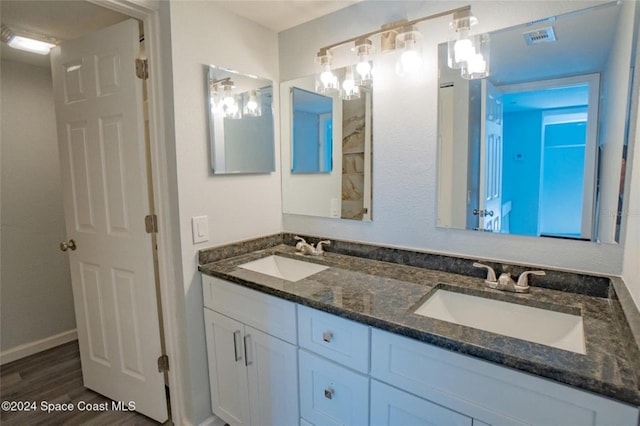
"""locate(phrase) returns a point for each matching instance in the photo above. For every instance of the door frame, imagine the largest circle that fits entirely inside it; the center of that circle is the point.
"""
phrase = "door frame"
(589, 188)
(148, 11)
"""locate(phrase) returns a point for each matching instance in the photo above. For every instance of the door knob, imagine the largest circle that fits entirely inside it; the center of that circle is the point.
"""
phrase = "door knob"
(64, 246)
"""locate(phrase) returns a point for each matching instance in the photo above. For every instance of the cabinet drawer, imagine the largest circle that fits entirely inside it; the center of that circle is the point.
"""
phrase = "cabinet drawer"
(272, 315)
(338, 339)
(391, 407)
(470, 386)
(331, 394)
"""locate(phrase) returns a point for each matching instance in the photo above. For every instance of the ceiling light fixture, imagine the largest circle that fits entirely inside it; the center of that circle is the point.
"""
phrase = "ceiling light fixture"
(468, 53)
(26, 43)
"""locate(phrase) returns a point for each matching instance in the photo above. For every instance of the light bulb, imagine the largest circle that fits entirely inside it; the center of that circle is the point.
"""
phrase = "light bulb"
(327, 77)
(411, 61)
(349, 88)
(363, 68)
(228, 101)
(252, 105)
(463, 50)
(363, 49)
(476, 64)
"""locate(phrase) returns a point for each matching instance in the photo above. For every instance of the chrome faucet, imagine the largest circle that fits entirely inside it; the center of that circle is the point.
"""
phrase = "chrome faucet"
(308, 249)
(505, 282)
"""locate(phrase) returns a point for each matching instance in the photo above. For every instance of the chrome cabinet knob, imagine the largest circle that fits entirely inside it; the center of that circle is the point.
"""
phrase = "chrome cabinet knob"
(328, 393)
(64, 246)
(327, 336)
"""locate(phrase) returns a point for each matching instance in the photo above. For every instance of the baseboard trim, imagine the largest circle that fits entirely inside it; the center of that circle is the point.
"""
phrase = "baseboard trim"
(31, 348)
(213, 421)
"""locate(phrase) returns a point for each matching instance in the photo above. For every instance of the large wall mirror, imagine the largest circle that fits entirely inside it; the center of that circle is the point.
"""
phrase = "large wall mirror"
(326, 152)
(536, 148)
(240, 122)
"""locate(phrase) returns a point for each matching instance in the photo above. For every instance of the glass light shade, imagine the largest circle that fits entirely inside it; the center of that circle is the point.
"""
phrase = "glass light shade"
(477, 65)
(363, 49)
(229, 102)
(326, 80)
(409, 43)
(252, 104)
(461, 45)
(350, 90)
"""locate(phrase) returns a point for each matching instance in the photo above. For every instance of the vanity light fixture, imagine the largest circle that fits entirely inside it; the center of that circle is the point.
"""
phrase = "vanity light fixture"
(26, 42)
(460, 45)
(251, 103)
(350, 90)
(326, 81)
(222, 93)
(408, 43)
(477, 64)
(363, 48)
(468, 53)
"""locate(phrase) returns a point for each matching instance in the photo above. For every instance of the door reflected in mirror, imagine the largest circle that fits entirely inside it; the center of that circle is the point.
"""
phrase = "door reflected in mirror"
(529, 151)
(240, 114)
(326, 151)
(312, 139)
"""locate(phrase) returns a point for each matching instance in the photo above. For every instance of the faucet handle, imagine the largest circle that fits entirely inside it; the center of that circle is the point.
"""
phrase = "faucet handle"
(319, 246)
(523, 279)
(491, 274)
(299, 239)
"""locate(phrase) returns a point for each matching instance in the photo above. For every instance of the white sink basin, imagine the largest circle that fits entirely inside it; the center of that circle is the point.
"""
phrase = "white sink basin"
(551, 328)
(283, 267)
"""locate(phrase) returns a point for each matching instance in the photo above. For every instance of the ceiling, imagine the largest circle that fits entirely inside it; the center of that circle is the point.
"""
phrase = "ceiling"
(281, 15)
(66, 20)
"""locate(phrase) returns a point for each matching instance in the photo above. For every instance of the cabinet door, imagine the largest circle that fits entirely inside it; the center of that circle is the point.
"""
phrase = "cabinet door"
(391, 406)
(272, 366)
(227, 370)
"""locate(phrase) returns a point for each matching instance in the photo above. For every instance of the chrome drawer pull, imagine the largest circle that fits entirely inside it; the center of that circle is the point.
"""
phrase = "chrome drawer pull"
(247, 344)
(328, 393)
(327, 336)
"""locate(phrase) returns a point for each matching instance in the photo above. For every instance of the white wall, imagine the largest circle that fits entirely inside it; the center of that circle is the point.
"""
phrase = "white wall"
(239, 207)
(405, 139)
(36, 302)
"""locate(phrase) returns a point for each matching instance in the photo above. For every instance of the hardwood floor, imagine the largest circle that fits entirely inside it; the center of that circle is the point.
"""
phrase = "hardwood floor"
(55, 377)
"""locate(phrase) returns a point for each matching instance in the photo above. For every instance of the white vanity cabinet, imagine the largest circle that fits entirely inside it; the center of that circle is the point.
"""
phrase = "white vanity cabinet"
(334, 367)
(252, 355)
(483, 391)
(261, 347)
(392, 407)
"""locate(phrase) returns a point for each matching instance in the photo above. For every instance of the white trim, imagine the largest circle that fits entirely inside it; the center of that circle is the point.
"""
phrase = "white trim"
(31, 348)
(589, 190)
(168, 225)
(213, 421)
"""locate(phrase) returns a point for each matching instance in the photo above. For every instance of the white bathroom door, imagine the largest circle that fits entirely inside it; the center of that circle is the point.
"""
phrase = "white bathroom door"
(101, 140)
(490, 210)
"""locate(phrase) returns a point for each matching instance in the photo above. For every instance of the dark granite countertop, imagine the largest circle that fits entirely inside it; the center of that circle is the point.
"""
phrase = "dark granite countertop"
(385, 295)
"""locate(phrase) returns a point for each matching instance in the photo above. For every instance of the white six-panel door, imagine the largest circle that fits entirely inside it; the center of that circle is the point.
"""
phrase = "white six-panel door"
(102, 153)
(491, 159)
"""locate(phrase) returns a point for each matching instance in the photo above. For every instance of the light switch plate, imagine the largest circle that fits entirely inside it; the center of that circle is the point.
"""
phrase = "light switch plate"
(200, 229)
(335, 207)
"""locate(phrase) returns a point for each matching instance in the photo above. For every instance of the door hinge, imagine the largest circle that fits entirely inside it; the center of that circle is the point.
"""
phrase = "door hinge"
(142, 69)
(151, 223)
(163, 363)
